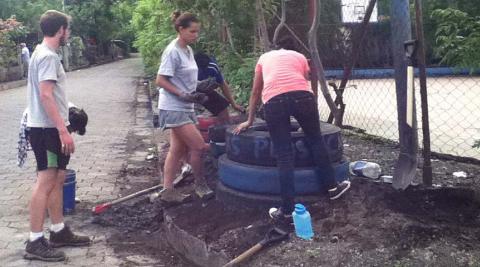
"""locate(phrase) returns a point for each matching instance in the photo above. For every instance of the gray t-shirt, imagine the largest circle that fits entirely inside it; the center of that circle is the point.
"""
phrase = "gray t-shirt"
(45, 65)
(179, 65)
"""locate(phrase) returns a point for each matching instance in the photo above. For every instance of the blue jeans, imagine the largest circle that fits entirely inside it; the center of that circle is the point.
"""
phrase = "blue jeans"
(303, 107)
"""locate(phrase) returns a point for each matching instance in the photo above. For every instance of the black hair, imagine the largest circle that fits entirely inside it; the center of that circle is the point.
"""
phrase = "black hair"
(202, 59)
(78, 119)
(287, 43)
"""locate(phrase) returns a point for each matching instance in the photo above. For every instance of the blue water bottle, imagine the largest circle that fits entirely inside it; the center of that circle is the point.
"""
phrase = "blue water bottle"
(302, 222)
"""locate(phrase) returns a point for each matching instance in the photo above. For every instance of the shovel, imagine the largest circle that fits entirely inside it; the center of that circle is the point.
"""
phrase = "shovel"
(105, 206)
(406, 165)
(274, 235)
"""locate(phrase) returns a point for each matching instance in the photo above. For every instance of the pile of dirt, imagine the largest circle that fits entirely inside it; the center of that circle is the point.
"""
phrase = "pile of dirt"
(224, 228)
(376, 225)
(135, 224)
(372, 225)
(140, 215)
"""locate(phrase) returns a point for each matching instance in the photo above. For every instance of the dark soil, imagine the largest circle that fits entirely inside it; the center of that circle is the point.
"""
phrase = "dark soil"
(373, 225)
(136, 224)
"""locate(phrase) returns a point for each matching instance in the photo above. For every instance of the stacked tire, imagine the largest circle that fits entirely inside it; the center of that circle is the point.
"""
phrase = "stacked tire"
(249, 163)
(205, 123)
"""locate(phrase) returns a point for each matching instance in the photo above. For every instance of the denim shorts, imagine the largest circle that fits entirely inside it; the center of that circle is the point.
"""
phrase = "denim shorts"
(168, 119)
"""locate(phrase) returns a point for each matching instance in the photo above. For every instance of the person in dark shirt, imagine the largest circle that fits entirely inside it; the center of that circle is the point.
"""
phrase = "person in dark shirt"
(216, 104)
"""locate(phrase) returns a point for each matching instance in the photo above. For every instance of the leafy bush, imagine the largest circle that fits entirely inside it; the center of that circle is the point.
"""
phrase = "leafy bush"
(239, 73)
(457, 38)
(151, 21)
(8, 51)
(10, 29)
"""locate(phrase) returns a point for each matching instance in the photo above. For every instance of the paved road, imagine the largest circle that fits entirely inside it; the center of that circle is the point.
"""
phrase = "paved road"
(107, 93)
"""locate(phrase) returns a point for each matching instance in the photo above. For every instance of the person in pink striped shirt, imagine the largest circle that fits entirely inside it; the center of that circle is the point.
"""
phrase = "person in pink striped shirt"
(281, 80)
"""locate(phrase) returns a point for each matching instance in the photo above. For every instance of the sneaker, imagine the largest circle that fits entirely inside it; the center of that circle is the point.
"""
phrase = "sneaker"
(173, 196)
(40, 249)
(66, 238)
(277, 214)
(338, 191)
(203, 191)
(186, 170)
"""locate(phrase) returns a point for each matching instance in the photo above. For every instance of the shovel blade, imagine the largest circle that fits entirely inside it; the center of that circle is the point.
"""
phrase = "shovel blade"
(100, 208)
(405, 171)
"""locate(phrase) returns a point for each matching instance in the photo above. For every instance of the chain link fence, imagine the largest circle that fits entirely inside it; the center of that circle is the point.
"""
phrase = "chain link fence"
(453, 104)
(370, 97)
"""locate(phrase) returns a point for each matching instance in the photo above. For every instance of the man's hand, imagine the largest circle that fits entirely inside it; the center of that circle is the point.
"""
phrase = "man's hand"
(68, 146)
(242, 127)
(238, 108)
(200, 98)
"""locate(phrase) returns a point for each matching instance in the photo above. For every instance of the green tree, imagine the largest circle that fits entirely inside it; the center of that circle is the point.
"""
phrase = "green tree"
(153, 28)
(92, 18)
(457, 38)
(9, 30)
(123, 13)
(29, 12)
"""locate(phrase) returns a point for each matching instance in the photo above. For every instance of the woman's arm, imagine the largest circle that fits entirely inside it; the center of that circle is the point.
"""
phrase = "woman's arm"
(252, 103)
(162, 81)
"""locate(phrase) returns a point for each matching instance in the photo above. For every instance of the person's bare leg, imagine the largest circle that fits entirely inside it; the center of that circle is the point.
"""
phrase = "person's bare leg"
(176, 153)
(192, 138)
(55, 200)
(197, 147)
(38, 204)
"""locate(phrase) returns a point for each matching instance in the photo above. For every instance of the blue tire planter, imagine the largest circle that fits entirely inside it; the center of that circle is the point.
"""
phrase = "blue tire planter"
(264, 180)
(217, 149)
(254, 146)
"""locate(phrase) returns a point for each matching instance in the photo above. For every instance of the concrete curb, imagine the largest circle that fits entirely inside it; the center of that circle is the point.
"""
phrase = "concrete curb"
(11, 85)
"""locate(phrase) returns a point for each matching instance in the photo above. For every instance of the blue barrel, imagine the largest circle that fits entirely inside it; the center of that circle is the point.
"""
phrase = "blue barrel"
(69, 192)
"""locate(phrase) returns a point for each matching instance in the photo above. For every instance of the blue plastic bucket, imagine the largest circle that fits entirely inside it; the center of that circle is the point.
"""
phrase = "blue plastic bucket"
(69, 192)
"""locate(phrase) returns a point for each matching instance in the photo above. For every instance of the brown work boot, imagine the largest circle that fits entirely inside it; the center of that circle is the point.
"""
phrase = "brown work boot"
(40, 249)
(174, 197)
(203, 191)
(66, 238)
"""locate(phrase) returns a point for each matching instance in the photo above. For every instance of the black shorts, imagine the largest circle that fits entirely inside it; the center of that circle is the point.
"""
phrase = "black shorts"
(47, 147)
(215, 103)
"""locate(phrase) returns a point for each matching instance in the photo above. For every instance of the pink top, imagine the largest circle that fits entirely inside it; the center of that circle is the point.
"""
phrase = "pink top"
(283, 71)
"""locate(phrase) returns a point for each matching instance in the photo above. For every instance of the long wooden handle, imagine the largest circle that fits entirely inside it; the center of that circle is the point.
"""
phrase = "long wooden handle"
(245, 255)
(103, 207)
(139, 193)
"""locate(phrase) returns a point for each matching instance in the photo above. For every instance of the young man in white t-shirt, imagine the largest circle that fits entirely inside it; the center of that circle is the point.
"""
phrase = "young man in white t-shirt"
(51, 141)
